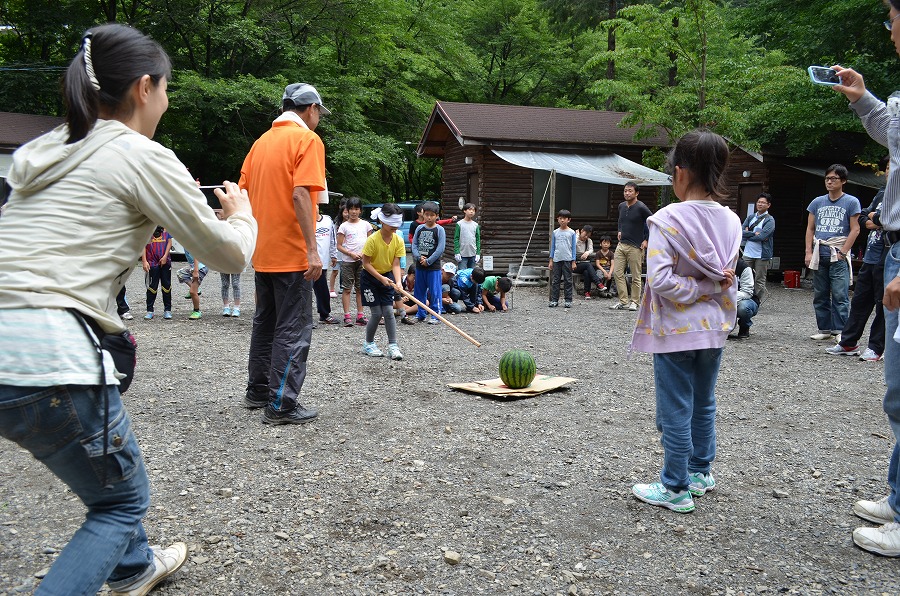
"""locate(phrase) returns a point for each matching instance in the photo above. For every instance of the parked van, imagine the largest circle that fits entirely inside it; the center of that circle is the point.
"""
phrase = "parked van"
(409, 216)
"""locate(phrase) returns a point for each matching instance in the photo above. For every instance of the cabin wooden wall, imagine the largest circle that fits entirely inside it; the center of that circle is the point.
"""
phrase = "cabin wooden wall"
(505, 205)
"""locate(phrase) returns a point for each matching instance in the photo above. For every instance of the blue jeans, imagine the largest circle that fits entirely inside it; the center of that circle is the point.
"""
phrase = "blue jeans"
(746, 310)
(62, 427)
(467, 263)
(686, 412)
(831, 299)
(892, 380)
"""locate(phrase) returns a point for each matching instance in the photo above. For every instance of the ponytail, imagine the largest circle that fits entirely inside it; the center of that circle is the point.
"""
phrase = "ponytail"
(705, 154)
(111, 58)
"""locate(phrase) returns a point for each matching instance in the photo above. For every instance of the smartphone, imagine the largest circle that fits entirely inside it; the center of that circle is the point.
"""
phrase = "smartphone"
(211, 199)
(822, 75)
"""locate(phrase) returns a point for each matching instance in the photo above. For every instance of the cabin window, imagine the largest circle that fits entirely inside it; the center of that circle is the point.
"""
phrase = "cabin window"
(584, 198)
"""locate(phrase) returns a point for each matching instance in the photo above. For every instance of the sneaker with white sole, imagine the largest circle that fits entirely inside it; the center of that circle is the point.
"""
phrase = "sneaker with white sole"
(821, 335)
(127, 316)
(879, 512)
(371, 349)
(148, 316)
(166, 561)
(226, 311)
(869, 355)
(394, 352)
(884, 540)
(167, 314)
(236, 311)
(659, 495)
(701, 483)
(839, 350)
(632, 305)
(619, 306)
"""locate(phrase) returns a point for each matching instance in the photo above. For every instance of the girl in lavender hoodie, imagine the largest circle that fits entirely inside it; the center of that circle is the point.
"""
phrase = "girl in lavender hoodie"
(688, 309)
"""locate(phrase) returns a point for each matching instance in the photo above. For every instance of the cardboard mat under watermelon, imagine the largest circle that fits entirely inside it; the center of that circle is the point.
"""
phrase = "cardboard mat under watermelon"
(496, 388)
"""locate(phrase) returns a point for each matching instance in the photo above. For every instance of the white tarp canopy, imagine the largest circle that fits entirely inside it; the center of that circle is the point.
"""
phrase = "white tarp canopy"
(611, 169)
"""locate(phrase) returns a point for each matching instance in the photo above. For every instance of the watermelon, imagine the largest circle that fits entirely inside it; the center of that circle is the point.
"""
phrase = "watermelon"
(517, 369)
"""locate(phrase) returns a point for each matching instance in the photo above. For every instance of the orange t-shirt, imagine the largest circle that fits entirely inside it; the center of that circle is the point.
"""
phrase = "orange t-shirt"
(284, 157)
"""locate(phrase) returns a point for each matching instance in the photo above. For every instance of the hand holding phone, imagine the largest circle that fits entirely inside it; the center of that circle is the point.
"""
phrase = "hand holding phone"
(823, 75)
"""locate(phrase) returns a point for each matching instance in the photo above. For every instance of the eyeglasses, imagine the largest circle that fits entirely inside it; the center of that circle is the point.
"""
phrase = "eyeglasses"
(831, 178)
(889, 24)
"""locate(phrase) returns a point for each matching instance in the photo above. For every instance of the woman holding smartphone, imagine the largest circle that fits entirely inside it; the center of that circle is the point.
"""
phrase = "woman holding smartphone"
(85, 200)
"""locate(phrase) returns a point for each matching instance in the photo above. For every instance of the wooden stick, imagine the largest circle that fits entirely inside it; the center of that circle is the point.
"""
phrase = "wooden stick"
(439, 317)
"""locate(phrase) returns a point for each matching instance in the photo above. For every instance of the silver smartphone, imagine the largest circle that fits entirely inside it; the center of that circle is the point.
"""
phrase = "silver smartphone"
(823, 75)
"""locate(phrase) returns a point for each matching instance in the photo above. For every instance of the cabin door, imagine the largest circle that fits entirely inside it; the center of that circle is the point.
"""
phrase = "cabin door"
(747, 199)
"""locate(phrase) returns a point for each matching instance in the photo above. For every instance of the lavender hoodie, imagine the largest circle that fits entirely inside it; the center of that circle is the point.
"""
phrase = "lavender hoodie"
(684, 307)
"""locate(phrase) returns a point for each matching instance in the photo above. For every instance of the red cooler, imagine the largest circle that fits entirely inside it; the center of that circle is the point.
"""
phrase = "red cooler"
(792, 279)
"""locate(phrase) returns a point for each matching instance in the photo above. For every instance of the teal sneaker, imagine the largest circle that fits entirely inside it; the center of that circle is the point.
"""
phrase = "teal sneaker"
(195, 314)
(370, 349)
(657, 494)
(701, 483)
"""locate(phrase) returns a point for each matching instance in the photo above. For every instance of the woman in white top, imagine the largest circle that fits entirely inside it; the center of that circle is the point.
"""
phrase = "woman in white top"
(85, 199)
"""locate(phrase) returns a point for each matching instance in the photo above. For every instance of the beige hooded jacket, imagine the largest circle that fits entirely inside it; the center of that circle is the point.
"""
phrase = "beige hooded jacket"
(80, 214)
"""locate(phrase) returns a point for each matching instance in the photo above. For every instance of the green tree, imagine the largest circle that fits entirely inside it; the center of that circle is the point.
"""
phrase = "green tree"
(687, 64)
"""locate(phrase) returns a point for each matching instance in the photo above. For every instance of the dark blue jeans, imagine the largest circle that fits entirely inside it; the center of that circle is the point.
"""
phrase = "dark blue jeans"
(892, 380)
(831, 298)
(746, 309)
(62, 427)
(686, 412)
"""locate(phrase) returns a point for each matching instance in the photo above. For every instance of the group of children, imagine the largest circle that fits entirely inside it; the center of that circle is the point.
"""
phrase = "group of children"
(156, 261)
(572, 252)
(372, 262)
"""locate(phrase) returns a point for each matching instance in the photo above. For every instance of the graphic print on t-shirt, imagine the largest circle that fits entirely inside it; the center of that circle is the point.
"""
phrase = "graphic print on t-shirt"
(831, 219)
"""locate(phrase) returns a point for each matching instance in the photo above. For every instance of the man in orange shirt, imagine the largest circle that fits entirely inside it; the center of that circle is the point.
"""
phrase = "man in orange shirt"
(284, 174)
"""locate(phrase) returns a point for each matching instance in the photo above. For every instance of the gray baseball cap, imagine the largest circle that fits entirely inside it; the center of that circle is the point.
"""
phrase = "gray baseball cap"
(304, 94)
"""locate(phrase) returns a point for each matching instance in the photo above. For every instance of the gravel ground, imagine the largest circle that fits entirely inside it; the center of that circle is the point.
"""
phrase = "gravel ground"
(400, 475)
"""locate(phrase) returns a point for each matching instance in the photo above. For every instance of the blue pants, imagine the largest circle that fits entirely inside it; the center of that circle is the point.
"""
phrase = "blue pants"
(467, 263)
(686, 412)
(831, 298)
(892, 380)
(428, 286)
(62, 427)
(746, 309)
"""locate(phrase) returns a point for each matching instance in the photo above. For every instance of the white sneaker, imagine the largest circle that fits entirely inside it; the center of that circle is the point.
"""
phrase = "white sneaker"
(167, 561)
(839, 350)
(869, 355)
(632, 305)
(879, 511)
(821, 336)
(127, 316)
(394, 352)
(884, 540)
